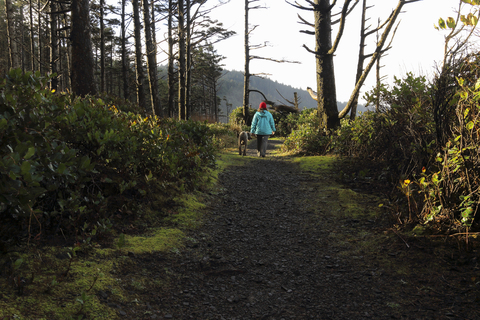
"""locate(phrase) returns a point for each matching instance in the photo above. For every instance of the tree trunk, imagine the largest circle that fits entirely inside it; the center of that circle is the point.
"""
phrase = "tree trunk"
(12, 46)
(32, 37)
(215, 100)
(326, 90)
(188, 56)
(246, 75)
(361, 58)
(68, 55)
(375, 55)
(102, 47)
(378, 82)
(39, 31)
(138, 57)
(125, 61)
(171, 74)
(151, 61)
(181, 61)
(83, 81)
(22, 38)
(54, 44)
(159, 111)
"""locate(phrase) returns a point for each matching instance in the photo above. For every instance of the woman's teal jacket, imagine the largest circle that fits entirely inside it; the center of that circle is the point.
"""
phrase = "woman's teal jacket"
(262, 123)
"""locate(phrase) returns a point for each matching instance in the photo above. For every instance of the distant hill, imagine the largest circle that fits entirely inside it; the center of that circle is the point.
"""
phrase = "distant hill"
(231, 88)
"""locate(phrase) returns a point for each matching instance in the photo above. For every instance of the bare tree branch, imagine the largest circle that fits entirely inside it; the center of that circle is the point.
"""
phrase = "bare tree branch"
(305, 21)
(298, 6)
(341, 28)
(274, 60)
(349, 11)
(375, 55)
(309, 50)
(312, 33)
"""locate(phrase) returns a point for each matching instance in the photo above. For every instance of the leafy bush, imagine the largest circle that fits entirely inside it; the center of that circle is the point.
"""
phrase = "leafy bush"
(401, 135)
(224, 135)
(236, 116)
(452, 193)
(307, 138)
(66, 163)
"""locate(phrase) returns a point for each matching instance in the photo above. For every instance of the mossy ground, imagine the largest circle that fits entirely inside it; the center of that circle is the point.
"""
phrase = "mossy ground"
(52, 282)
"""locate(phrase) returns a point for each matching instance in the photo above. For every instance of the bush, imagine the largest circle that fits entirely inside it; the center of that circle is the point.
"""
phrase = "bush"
(451, 193)
(236, 116)
(401, 135)
(66, 163)
(306, 138)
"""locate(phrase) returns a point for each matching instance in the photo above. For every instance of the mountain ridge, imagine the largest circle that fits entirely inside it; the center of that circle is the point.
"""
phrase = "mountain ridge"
(231, 92)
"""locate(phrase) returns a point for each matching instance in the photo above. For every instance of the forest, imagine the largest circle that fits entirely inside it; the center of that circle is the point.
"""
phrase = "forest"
(100, 141)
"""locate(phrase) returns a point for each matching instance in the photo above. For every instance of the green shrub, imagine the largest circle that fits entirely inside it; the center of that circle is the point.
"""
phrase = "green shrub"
(35, 160)
(67, 163)
(451, 194)
(307, 138)
(401, 135)
(236, 116)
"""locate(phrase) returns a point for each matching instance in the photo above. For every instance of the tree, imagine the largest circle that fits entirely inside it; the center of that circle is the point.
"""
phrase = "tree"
(124, 54)
(249, 57)
(140, 76)
(151, 59)
(11, 35)
(32, 36)
(325, 50)
(82, 54)
(205, 76)
(364, 33)
(54, 40)
(246, 69)
(102, 46)
(201, 32)
(182, 114)
(171, 60)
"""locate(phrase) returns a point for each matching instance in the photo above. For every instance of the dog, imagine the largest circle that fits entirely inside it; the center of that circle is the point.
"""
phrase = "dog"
(243, 139)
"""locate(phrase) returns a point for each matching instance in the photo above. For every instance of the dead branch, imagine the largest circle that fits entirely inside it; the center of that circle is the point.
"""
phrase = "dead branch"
(349, 11)
(258, 91)
(310, 50)
(375, 56)
(311, 33)
(312, 93)
(305, 21)
(274, 60)
(284, 97)
(298, 6)
(342, 26)
(281, 108)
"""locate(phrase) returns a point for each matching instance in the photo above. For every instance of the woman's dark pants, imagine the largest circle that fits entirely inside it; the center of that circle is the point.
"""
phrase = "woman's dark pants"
(262, 142)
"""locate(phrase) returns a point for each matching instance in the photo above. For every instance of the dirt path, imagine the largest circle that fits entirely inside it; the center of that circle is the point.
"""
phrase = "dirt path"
(282, 243)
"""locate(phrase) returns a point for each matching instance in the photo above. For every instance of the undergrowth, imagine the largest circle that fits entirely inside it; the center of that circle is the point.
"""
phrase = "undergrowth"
(84, 187)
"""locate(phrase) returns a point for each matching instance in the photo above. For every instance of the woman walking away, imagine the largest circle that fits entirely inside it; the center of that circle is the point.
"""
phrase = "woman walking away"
(262, 126)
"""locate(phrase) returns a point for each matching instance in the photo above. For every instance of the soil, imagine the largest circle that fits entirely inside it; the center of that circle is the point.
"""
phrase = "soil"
(264, 252)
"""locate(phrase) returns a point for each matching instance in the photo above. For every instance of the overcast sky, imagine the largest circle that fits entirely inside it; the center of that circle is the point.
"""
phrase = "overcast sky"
(417, 47)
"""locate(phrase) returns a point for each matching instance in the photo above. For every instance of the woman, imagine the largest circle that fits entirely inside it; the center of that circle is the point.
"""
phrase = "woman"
(263, 126)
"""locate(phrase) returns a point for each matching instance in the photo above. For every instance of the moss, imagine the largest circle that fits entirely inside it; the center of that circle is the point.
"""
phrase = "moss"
(228, 159)
(52, 296)
(316, 165)
(159, 240)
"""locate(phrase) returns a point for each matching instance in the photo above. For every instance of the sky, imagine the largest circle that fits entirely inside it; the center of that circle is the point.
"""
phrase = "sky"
(418, 47)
